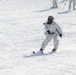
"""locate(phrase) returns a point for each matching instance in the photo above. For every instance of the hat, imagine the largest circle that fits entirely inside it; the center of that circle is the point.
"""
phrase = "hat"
(50, 18)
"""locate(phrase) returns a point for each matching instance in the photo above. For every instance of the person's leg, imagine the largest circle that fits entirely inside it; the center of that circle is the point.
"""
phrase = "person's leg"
(45, 42)
(70, 2)
(56, 43)
(54, 4)
(73, 4)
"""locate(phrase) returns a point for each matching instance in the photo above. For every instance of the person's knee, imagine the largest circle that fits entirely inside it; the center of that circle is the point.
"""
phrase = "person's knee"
(57, 41)
(45, 42)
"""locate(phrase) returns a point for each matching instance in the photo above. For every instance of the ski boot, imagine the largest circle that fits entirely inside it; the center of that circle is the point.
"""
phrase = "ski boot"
(54, 50)
(41, 50)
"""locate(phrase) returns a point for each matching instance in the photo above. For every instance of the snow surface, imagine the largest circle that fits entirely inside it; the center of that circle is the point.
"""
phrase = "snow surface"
(22, 31)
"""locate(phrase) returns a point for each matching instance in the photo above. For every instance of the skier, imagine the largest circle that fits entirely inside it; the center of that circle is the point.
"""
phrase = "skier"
(55, 5)
(70, 3)
(52, 30)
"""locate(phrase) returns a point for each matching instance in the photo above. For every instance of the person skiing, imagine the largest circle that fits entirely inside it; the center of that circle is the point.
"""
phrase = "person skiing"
(70, 3)
(52, 30)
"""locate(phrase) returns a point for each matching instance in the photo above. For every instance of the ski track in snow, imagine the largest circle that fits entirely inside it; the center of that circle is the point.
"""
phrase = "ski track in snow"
(22, 31)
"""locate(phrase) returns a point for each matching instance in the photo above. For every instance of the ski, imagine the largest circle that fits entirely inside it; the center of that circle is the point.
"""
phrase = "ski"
(39, 53)
(34, 52)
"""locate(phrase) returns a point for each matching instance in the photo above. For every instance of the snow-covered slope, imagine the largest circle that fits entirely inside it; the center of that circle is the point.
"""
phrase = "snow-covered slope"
(22, 31)
(21, 4)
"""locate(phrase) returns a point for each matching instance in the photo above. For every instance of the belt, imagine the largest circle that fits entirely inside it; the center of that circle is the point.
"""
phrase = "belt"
(52, 32)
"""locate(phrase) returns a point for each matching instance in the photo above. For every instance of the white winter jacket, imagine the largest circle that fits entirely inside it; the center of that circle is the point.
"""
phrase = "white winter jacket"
(53, 28)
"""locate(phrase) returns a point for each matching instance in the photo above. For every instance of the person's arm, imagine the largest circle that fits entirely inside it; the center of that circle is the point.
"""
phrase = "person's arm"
(59, 30)
(47, 31)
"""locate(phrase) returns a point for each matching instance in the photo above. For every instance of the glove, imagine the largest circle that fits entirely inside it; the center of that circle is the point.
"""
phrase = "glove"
(48, 32)
(60, 35)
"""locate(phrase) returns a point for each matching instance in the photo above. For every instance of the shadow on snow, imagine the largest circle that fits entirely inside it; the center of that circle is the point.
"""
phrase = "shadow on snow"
(56, 54)
(36, 55)
(44, 10)
(64, 12)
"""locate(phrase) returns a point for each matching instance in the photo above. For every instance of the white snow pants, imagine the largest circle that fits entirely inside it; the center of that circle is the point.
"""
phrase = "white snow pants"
(70, 3)
(49, 38)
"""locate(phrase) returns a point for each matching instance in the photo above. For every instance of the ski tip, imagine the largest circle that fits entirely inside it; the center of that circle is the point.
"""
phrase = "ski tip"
(33, 52)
